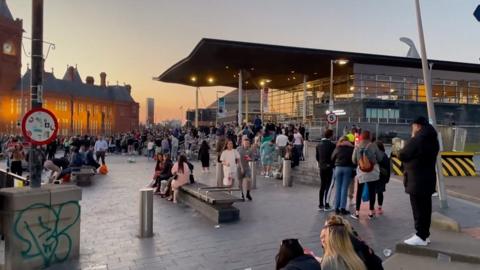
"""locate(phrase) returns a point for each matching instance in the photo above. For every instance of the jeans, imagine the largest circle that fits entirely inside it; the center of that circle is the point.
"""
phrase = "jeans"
(297, 152)
(343, 178)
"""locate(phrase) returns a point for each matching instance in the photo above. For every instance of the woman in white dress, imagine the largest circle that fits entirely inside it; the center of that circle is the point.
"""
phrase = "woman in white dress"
(230, 159)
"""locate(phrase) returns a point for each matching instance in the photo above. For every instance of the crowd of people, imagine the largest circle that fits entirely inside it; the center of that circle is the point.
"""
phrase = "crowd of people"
(355, 161)
(356, 166)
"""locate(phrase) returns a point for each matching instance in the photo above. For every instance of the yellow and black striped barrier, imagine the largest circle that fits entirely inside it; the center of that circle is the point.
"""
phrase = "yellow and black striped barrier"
(453, 164)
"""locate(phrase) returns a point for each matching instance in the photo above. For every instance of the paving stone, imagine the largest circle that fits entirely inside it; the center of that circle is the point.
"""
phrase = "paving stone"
(183, 238)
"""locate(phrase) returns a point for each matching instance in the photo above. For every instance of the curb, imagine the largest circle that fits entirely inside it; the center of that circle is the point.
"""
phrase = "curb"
(451, 193)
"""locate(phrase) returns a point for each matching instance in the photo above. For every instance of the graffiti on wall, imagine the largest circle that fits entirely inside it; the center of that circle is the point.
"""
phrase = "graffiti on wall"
(43, 229)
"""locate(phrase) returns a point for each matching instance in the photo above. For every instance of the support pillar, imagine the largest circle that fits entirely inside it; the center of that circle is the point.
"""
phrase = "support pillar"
(240, 96)
(196, 107)
(304, 115)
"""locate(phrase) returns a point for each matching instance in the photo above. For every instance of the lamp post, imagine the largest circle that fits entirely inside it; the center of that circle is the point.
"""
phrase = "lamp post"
(430, 106)
(331, 98)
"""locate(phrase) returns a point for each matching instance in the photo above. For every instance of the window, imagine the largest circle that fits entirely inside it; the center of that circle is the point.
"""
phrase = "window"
(382, 113)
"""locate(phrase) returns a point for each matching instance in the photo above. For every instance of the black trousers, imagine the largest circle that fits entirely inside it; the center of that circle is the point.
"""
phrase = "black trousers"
(16, 167)
(325, 182)
(101, 155)
(371, 194)
(422, 214)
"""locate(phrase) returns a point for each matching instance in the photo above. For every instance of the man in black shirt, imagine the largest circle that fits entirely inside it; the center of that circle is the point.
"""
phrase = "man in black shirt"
(324, 152)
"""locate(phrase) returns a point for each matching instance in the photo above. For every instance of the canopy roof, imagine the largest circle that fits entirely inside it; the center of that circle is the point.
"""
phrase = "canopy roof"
(216, 62)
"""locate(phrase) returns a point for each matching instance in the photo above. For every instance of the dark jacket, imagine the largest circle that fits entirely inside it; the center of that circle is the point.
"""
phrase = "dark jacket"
(419, 158)
(324, 152)
(305, 262)
(342, 155)
(384, 169)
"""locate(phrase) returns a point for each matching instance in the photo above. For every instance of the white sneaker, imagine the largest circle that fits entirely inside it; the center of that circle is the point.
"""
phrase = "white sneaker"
(415, 241)
(428, 240)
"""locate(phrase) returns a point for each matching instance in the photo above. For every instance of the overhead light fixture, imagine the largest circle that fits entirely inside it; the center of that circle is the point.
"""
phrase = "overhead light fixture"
(315, 73)
(262, 83)
(309, 85)
(392, 90)
(193, 79)
(267, 80)
(341, 61)
(252, 68)
(227, 67)
(352, 88)
(293, 71)
(210, 79)
(294, 78)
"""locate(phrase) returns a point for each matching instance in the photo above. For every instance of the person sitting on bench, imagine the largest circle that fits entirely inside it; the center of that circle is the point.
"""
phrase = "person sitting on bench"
(90, 158)
(56, 165)
(165, 174)
(77, 161)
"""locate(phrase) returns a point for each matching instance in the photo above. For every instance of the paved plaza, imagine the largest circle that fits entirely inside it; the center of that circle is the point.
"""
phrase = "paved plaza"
(186, 240)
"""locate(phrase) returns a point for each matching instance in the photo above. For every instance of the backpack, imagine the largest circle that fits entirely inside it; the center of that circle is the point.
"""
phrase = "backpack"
(365, 164)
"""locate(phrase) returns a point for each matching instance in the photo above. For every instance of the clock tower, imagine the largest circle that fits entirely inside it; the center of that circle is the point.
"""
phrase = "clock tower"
(10, 48)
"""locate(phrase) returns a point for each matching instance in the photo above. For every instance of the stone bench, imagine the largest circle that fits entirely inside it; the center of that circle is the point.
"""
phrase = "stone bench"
(83, 175)
(214, 203)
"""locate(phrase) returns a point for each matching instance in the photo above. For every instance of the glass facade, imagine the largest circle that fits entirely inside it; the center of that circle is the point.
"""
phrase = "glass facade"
(287, 104)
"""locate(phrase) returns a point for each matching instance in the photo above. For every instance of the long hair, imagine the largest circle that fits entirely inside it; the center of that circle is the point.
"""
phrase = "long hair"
(339, 249)
(159, 161)
(289, 250)
(181, 161)
(226, 144)
(204, 145)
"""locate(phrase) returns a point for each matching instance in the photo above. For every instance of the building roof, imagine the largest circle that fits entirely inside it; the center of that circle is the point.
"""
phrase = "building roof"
(77, 88)
(71, 74)
(5, 11)
(285, 66)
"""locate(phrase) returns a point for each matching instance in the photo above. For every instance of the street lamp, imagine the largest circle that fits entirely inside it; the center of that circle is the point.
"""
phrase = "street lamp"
(340, 62)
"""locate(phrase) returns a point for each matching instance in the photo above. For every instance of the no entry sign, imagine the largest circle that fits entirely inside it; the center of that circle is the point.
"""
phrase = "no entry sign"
(39, 126)
(331, 118)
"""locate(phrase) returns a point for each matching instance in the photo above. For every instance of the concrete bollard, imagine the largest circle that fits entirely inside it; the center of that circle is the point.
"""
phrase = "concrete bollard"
(219, 174)
(287, 173)
(41, 225)
(253, 170)
(146, 213)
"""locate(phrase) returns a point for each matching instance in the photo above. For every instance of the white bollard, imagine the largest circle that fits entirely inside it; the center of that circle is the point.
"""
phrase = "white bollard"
(146, 212)
(253, 170)
(287, 171)
(219, 174)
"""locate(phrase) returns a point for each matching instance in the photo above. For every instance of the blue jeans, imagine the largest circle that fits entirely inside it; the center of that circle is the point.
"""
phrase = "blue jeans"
(343, 178)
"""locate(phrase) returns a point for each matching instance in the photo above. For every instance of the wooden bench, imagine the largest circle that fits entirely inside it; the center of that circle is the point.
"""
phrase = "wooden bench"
(214, 203)
(83, 175)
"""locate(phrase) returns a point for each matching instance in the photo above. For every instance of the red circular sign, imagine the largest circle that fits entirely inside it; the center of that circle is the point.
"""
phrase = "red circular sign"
(332, 118)
(39, 126)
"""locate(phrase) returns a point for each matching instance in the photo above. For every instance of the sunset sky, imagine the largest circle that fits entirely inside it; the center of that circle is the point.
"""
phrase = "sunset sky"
(135, 40)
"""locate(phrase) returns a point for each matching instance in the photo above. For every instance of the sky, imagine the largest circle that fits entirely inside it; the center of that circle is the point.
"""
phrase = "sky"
(136, 40)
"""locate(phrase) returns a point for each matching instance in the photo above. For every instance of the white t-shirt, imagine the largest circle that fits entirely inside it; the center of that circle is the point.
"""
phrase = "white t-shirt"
(281, 140)
(297, 138)
(150, 145)
(229, 156)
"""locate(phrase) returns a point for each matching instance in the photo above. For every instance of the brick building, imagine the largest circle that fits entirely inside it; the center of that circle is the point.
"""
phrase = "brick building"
(81, 107)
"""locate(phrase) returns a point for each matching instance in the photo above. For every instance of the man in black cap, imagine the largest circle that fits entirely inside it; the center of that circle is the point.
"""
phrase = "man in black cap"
(419, 157)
